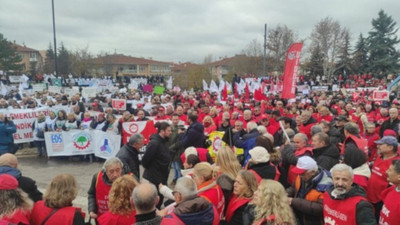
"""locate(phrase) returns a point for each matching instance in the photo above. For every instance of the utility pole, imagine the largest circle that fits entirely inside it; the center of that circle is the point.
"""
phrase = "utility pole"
(265, 52)
(55, 42)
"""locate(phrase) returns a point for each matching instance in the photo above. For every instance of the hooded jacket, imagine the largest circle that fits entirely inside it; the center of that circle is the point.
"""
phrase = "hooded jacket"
(156, 160)
(327, 156)
(129, 157)
(25, 183)
(194, 136)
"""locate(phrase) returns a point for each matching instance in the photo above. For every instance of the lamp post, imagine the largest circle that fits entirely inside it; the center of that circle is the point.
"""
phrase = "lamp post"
(55, 42)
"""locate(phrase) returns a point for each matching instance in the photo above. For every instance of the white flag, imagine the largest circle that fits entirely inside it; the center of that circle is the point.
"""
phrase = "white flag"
(169, 83)
(20, 89)
(213, 87)
(205, 86)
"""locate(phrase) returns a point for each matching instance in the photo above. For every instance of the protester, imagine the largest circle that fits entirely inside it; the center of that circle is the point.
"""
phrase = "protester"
(71, 123)
(120, 210)
(38, 128)
(390, 196)
(100, 187)
(129, 155)
(145, 199)
(324, 153)
(7, 129)
(260, 165)
(194, 135)
(357, 160)
(175, 147)
(56, 206)
(15, 205)
(9, 165)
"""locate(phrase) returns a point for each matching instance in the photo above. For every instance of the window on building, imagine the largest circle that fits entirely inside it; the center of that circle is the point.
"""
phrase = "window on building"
(142, 69)
(32, 56)
(132, 67)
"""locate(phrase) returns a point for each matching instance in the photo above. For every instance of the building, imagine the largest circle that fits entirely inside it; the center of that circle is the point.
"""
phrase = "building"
(122, 65)
(222, 67)
(32, 60)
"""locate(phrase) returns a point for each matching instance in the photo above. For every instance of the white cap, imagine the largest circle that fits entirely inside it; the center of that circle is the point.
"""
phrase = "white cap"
(304, 164)
(259, 154)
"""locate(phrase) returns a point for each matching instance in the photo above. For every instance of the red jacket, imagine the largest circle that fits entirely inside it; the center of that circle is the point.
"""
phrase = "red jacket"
(64, 216)
(213, 194)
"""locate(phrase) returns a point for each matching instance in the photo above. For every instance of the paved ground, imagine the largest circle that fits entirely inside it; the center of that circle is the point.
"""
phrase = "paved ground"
(43, 171)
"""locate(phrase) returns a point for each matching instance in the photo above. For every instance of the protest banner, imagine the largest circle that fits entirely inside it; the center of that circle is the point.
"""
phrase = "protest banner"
(89, 92)
(320, 88)
(291, 70)
(56, 82)
(55, 89)
(71, 91)
(119, 104)
(39, 87)
(82, 142)
(381, 95)
(16, 79)
(215, 138)
(57, 108)
(158, 90)
(23, 120)
(146, 128)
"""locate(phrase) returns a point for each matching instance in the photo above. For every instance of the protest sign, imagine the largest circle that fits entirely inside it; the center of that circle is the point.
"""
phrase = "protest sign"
(55, 89)
(119, 104)
(89, 92)
(56, 82)
(82, 142)
(16, 79)
(147, 88)
(215, 138)
(71, 91)
(380, 95)
(39, 87)
(158, 90)
(146, 128)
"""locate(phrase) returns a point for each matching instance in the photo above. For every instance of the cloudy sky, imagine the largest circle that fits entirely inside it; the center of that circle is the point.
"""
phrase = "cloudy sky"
(176, 30)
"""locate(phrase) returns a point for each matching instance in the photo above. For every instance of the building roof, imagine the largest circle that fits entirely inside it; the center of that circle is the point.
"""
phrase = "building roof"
(20, 48)
(223, 62)
(120, 59)
(183, 66)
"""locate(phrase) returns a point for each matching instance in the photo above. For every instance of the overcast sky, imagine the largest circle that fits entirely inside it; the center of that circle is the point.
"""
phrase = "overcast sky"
(177, 30)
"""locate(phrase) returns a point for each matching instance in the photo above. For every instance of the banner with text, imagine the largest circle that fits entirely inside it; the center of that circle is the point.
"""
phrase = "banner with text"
(146, 128)
(82, 142)
(291, 70)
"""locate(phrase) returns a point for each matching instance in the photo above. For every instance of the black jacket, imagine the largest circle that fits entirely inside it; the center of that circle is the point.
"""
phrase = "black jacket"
(264, 170)
(25, 183)
(129, 157)
(326, 157)
(194, 136)
(92, 205)
(389, 124)
(156, 160)
(364, 210)
(335, 136)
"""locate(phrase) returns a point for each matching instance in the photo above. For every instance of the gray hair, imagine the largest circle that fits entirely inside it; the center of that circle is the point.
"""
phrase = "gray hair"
(352, 128)
(262, 129)
(290, 132)
(135, 138)
(341, 167)
(111, 161)
(251, 126)
(144, 197)
(315, 129)
(302, 136)
(186, 187)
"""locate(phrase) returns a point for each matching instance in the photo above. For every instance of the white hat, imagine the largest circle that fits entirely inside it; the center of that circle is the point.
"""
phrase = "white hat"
(190, 151)
(304, 164)
(259, 154)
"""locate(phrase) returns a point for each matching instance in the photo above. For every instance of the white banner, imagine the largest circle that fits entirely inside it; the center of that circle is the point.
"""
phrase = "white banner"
(54, 89)
(71, 91)
(23, 120)
(16, 79)
(89, 92)
(82, 142)
(39, 87)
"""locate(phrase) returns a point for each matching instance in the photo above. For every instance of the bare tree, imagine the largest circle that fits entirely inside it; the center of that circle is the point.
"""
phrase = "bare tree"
(329, 35)
(81, 62)
(279, 40)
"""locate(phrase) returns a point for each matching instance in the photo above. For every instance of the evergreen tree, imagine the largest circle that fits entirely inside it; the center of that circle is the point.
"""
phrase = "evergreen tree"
(9, 59)
(382, 40)
(360, 56)
(48, 67)
(64, 61)
(344, 63)
(315, 66)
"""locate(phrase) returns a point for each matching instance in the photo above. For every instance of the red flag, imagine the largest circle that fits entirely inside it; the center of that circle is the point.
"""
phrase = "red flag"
(272, 87)
(225, 93)
(246, 91)
(236, 95)
(291, 70)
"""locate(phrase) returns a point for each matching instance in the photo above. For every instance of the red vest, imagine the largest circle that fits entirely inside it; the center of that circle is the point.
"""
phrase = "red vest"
(340, 212)
(259, 178)
(233, 205)
(361, 180)
(19, 217)
(391, 206)
(64, 216)
(378, 180)
(360, 142)
(117, 219)
(215, 196)
(102, 190)
(201, 153)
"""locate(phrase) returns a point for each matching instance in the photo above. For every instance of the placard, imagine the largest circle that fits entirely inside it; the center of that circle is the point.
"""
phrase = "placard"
(119, 104)
(89, 92)
(381, 95)
(39, 87)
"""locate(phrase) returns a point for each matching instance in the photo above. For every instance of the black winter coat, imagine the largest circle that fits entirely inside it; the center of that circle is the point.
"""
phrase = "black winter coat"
(156, 160)
(194, 136)
(326, 157)
(129, 157)
(334, 136)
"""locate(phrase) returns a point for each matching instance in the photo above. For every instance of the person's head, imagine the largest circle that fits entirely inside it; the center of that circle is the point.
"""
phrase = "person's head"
(305, 115)
(41, 116)
(112, 167)
(320, 140)
(393, 113)
(238, 125)
(179, 110)
(351, 129)
(227, 162)
(136, 141)
(11, 197)
(9, 159)
(71, 116)
(393, 173)
(251, 126)
(326, 126)
(247, 115)
(261, 129)
(342, 177)
(110, 118)
(175, 119)
(349, 107)
(192, 118)
(265, 142)
(62, 115)
(202, 172)
(387, 145)
(119, 195)
(306, 168)
(286, 121)
(141, 114)
(208, 121)
(61, 191)
(384, 112)
(145, 198)
(191, 161)
(245, 184)
(324, 111)
(370, 128)
(354, 157)
(340, 121)
(163, 129)
(52, 114)
(259, 155)
(315, 129)
(300, 140)
(86, 114)
(185, 189)
(257, 110)
(161, 111)
(126, 115)
(279, 104)
(271, 199)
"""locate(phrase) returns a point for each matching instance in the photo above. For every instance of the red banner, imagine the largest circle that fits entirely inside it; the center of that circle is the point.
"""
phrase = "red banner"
(146, 128)
(291, 70)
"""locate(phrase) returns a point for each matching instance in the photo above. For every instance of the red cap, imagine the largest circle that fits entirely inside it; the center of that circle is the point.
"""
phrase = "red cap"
(139, 105)
(389, 132)
(8, 182)
(161, 109)
(95, 104)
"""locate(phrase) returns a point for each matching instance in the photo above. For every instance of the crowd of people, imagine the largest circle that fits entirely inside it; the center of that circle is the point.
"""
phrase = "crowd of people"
(328, 158)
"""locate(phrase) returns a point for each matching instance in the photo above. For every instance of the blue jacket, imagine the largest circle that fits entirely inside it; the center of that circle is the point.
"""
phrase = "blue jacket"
(247, 142)
(194, 136)
(7, 129)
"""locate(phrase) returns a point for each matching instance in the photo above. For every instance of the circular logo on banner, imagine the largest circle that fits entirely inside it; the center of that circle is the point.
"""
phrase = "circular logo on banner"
(217, 144)
(291, 55)
(82, 141)
(133, 128)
